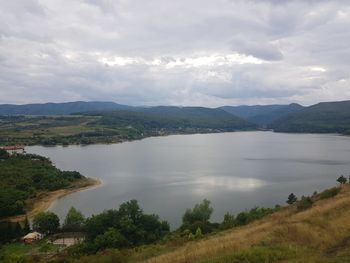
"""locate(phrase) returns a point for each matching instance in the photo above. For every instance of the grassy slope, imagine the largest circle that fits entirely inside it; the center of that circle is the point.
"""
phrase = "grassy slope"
(15, 252)
(319, 234)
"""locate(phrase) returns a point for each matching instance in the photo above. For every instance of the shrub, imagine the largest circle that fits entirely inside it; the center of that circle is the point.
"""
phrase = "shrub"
(198, 233)
(304, 203)
(329, 193)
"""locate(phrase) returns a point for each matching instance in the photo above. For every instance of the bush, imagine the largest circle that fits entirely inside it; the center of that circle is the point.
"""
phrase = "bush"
(305, 203)
(110, 239)
(198, 233)
(200, 213)
(329, 193)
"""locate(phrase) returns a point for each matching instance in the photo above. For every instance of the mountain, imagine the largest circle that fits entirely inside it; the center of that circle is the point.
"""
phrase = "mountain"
(325, 117)
(172, 117)
(262, 115)
(59, 108)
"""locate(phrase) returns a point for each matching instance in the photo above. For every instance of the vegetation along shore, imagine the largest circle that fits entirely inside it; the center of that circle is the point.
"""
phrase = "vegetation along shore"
(31, 183)
(311, 228)
(107, 122)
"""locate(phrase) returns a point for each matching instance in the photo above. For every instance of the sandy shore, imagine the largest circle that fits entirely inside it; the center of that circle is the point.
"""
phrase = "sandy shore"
(44, 200)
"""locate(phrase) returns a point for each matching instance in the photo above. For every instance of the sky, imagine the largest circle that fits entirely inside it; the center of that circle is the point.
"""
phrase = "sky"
(184, 52)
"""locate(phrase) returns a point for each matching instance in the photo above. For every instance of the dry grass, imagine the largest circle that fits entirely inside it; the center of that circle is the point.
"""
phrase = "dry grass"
(322, 233)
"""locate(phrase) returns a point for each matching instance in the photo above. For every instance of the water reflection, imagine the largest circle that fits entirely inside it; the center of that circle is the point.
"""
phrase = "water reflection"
(236, 171)
(205, 184)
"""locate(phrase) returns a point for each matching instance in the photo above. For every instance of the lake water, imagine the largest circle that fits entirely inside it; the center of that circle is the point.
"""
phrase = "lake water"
(236, 171)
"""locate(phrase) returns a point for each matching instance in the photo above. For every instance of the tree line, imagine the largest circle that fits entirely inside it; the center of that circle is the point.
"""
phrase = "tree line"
(24, 176)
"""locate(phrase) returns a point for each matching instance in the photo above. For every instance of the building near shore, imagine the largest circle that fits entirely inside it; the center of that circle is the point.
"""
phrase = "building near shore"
(32, 237)
(13, 148)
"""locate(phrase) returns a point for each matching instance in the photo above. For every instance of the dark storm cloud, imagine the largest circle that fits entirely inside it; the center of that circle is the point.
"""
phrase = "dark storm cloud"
(174, 52)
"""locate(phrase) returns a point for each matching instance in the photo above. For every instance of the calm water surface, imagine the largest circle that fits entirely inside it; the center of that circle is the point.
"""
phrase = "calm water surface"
(236, 171)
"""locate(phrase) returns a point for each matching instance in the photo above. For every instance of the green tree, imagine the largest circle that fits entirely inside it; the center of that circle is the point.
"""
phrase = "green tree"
(229, 221)
(342, 180)
(198, 233)
(131, 210)
(130, 221)
(200, 213)
(291, 199)
(46, 222)
(4, 154)
(242, 218)
(74, 220)
(26, 226)
(112, 238)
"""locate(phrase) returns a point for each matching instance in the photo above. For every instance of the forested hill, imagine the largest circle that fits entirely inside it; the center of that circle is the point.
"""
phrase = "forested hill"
(59, 108)
(325, 117)
(262, 115)
(24, 176)
(174, 118)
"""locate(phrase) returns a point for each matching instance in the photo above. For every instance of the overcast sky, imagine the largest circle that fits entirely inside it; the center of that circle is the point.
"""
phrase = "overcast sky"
(183, 52)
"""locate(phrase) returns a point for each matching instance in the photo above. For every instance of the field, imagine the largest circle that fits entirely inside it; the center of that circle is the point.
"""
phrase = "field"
(52, 130)
(115, 126)
(16, 251)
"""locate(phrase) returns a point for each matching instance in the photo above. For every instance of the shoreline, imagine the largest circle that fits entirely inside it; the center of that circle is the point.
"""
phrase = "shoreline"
(44, 200)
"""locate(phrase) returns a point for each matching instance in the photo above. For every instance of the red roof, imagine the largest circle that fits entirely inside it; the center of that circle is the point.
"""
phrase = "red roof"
(12, 148)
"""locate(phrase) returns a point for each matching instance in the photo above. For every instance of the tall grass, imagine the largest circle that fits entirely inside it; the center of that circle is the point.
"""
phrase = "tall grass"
(289, 235)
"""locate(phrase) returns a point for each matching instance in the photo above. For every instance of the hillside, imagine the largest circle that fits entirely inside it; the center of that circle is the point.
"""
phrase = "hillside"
(174, 118)
(23, 177)
(59, 108)
(313, 230)
(325, 117)
(318, 234)
(262, 115)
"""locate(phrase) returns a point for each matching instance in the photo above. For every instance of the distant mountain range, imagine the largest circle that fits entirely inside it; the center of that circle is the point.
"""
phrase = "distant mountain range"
(323, 117)
(65, 108)
(262, 115)
(171, 117)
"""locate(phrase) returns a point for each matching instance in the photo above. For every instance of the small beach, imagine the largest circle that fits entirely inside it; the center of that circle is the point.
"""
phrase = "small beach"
(45, 199)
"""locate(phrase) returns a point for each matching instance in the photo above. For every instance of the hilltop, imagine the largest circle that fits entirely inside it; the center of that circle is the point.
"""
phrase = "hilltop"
(325, 117)
(64, 108)
(262, 115)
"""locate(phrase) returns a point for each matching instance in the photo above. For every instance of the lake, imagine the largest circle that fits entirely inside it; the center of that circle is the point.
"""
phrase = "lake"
(235, 171)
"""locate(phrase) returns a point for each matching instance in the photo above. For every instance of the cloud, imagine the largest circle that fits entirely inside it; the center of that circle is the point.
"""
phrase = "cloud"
(193, 52)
